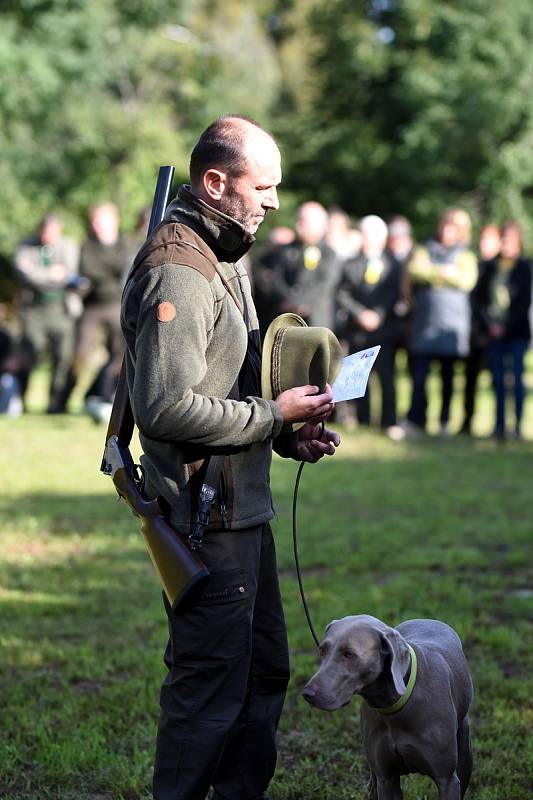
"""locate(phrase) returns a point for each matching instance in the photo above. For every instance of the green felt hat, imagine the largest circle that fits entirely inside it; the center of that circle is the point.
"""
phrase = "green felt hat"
(296, 355)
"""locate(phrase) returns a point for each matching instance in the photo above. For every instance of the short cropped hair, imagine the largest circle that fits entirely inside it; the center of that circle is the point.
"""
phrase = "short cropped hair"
(52, 218)
(107, 205)
(221, 146)
(399, 226)
(513, 226)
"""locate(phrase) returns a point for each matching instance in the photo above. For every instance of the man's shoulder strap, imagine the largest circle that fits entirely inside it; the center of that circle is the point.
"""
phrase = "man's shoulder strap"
(175, 243)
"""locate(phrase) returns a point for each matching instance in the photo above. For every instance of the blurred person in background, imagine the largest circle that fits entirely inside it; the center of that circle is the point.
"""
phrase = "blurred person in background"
(104, 260)
(281, 234)
(477, 359)
(490, 242)
(442, 272)
(341, 235)
(400, 244)
(317, 267)
(299, 276)
(47, 264)
(268, 298)
(137, 237)
(463, 223)
(10, 367)
(400, 240)
(366, 296)
(503, 299)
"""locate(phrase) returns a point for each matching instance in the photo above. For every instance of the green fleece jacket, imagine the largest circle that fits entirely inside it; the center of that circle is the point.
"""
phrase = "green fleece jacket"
(186, 339)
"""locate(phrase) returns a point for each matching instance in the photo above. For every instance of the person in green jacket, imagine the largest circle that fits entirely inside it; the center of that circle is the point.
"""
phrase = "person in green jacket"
(104, 258)
(193, 370)
(46, 264)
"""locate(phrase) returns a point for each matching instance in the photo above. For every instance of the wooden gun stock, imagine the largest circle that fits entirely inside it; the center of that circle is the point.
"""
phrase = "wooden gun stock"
(181, 572)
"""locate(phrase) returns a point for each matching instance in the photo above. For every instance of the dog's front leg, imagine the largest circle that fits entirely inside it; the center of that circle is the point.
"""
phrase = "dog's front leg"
(449, 788)
(389, 788)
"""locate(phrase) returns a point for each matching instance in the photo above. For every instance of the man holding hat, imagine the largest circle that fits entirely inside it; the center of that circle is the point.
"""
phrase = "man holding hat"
(194, 374)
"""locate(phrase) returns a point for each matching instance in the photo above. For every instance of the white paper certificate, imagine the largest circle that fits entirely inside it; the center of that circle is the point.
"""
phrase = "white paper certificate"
(352, 379)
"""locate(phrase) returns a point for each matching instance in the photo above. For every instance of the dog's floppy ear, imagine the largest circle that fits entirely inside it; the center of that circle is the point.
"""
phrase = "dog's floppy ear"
(392, 646)
(328, 626)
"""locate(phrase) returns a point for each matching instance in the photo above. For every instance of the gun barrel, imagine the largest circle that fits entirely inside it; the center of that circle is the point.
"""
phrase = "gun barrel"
(162, 191)
(181, 572)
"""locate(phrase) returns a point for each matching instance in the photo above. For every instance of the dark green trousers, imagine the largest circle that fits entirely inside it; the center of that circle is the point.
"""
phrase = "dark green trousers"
(228, 670)
(49, 327)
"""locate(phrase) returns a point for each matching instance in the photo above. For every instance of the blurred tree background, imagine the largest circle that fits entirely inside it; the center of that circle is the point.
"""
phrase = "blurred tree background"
(379, 106)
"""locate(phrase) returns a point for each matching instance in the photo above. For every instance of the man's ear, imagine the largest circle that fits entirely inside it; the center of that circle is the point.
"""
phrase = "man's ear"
(215, 182)
(393, 648)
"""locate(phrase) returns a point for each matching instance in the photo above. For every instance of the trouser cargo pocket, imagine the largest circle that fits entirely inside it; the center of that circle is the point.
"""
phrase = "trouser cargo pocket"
(229, 586)
(218, 626)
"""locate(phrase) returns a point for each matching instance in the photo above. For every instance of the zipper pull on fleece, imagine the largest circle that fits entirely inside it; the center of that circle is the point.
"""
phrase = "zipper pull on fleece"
(223, 513)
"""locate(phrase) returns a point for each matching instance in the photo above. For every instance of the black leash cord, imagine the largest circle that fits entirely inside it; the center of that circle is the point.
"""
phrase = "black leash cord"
(295, 546)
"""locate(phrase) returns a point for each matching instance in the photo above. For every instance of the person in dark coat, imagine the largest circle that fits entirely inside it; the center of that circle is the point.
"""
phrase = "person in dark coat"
(502, 300)
(299, 276)
(104, 260)
(367, 293)
(477, 359)
(401, 245)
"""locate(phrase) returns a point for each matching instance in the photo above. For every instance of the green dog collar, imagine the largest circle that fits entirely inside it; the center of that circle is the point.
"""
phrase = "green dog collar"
(399, 704)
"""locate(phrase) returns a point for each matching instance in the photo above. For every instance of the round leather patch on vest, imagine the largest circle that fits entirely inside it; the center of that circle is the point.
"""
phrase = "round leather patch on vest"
(166, 311)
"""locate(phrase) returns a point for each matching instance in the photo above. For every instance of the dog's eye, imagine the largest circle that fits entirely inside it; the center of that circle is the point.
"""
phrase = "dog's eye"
(348, 654)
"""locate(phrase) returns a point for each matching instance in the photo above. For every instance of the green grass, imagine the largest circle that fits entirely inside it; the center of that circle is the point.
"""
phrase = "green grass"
(432, 528)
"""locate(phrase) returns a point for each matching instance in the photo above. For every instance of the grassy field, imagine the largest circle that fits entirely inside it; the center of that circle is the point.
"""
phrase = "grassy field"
(432, 528)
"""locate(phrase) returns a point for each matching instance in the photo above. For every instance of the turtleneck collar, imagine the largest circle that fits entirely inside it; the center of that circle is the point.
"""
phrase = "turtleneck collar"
(226, 237)
(441, 253)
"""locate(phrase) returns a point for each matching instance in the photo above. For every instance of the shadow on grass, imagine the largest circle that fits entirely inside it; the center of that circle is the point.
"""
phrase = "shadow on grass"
(66, 513)
(73, 568)
(82, 631)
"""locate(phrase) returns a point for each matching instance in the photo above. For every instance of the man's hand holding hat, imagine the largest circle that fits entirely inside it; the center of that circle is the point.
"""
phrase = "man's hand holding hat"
(299, 366)
(304, 403)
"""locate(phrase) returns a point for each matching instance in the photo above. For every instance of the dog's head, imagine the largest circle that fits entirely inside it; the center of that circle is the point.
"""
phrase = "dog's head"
(356, 653)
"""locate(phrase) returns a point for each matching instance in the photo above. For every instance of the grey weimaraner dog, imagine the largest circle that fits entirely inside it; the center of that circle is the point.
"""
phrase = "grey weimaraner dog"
(415, 714)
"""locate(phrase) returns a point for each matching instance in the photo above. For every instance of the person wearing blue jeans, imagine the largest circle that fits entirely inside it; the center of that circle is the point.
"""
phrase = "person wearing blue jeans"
(502, 299)
(501, 352)
(420, 365)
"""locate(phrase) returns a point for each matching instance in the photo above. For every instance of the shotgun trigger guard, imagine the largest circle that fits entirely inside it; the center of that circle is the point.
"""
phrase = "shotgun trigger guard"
(137, 473)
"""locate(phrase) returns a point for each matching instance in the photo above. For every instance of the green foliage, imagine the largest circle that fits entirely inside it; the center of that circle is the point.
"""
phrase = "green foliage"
(415, 105)
(95, 95)
(379, 106)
